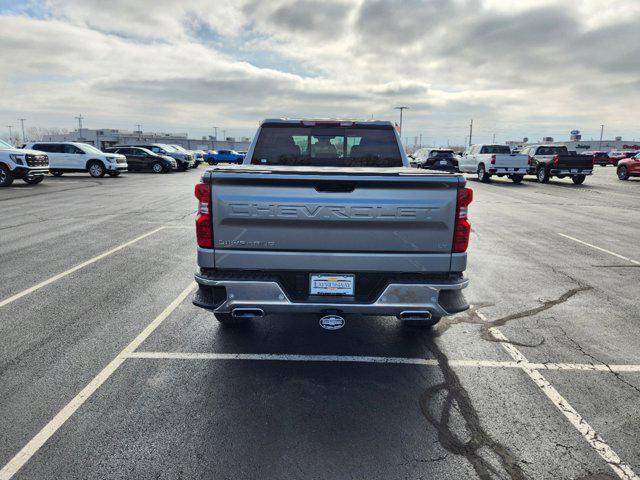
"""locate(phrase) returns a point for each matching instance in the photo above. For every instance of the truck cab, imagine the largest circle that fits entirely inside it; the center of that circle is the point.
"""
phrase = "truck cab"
(24, 164)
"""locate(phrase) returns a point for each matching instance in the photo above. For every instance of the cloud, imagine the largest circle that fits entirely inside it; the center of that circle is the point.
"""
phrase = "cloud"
(534, 66)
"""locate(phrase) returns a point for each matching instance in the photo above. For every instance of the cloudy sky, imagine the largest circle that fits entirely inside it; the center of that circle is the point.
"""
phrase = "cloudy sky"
(518, 68)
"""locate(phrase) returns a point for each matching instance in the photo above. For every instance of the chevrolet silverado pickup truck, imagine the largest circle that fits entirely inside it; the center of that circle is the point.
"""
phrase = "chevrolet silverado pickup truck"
(556, 161)
(487, 160)
(325, 217)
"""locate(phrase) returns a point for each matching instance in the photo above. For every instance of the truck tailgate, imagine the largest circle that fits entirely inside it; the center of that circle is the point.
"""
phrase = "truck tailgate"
(371, 219)
(513, 160)
(582, 162)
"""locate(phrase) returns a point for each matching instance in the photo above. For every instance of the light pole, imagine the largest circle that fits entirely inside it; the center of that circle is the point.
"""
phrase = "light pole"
(139, 131)
(10, 133)
(601, 132)
(79, 118)
(401, 109)
(470, 131)
(215, 133)
(24, 138)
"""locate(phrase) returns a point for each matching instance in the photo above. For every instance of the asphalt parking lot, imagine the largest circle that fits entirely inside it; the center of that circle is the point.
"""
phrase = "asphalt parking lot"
(108, 370)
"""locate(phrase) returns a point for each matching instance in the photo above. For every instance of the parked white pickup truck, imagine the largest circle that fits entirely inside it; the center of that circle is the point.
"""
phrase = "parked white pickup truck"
(486, 160)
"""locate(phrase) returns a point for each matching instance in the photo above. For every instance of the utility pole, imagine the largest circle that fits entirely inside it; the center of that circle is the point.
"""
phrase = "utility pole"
(10, 134)
(601, 132)
(401, 109)
(494, 138)
(79, 118)
(470, 131)
(24, 138)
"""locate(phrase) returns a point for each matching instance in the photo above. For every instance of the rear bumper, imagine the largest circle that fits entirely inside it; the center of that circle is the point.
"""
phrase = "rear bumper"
(224, 295)
(511, 171)
(569, 172)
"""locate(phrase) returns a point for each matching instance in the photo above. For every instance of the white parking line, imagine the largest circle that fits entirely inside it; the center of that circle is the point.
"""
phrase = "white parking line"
(48, 281)
(635, 262)
(596, 442)
(63, 415)
(567, 367)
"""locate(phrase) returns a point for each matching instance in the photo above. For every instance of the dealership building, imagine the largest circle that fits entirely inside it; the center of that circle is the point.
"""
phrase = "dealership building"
(106, 137)
(576, 143)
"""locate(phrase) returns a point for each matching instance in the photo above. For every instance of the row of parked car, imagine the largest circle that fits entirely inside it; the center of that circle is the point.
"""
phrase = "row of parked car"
(31, 162)
(543, 161)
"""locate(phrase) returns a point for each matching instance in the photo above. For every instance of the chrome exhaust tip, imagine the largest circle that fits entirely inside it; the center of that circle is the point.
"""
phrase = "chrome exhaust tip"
(247, 313)
(415, 315)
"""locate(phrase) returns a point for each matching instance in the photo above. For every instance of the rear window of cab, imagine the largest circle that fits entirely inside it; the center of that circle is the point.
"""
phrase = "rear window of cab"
(332, 146)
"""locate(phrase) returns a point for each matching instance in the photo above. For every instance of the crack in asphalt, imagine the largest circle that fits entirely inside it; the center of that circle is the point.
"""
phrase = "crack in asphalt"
(486, 334)
(598, 361)
(480, 443)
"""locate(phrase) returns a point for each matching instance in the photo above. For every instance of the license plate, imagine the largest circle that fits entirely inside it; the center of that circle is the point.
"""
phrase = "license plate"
(328, 284)
(443, 162)
(574, 170)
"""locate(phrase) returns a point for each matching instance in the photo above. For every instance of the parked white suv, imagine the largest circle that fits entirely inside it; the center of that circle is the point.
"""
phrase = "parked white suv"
(80, 157)
(28, 165)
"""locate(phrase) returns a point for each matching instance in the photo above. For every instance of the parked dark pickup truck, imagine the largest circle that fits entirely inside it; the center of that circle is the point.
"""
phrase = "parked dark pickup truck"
(556, 161)
(325, 217)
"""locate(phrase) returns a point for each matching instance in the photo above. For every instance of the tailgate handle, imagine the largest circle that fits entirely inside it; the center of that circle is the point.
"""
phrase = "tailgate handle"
(343, 187)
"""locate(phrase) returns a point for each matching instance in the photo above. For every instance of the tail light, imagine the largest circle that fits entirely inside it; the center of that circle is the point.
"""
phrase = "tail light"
(462, 229)
(530, 160)
(493, 159)
(204, 226)
(555, 161)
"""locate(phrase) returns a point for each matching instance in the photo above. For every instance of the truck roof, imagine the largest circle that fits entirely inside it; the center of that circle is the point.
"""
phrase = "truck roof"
(347, 121)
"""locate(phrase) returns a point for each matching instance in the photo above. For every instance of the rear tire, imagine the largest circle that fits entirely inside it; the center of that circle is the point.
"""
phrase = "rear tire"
(96, 169)
(6, 177)
(56, 173)
(33, 180)
(579, 179)
(483, 176)
(517, 178)
(421, 323)
(228, 319)
(623, 173)
(542, 175)
(157, 167)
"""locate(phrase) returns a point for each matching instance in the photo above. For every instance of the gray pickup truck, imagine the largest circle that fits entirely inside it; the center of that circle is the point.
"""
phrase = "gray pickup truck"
(325, 217)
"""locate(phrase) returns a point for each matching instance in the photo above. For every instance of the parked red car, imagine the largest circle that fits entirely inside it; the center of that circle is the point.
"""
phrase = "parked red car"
(629, 167)
(600, 158)
(615, 157)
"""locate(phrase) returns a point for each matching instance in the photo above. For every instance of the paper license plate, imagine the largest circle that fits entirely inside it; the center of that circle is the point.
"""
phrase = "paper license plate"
(328, 284)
